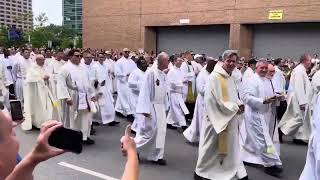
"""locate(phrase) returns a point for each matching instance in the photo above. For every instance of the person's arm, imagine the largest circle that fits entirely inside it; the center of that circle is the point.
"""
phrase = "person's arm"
(131, 171)
(42, 152)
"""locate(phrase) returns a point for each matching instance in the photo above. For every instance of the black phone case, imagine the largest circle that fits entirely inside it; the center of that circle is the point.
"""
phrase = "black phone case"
(67, 139)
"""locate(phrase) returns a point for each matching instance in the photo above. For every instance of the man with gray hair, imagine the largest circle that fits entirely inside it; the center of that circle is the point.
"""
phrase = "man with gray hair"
(261, 144)
(219, 154)
(151, 135)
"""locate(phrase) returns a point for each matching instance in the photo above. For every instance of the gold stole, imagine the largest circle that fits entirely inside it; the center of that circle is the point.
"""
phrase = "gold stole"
(223, 136)
(191, 97)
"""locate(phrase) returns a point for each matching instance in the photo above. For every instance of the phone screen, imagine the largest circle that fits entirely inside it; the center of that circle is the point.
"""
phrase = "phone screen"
(16, 110)
(66, 139)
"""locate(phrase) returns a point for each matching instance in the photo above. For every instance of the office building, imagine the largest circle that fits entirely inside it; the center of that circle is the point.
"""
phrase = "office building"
(72, 15)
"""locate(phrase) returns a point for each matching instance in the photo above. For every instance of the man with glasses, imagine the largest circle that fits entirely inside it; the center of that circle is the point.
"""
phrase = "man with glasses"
(123, 68)
(77, 95)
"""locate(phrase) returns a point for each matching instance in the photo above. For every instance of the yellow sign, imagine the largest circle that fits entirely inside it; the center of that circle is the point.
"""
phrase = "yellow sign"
(275, 14)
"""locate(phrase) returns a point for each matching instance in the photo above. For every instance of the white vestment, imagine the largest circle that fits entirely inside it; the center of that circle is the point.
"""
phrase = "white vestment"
(8, 65)
(105, 99)
(311, 169)
(74, 84)
(110, 65)
(150, 138)
(262, 139)
(20, 70)
(39, 104)
(279, 81)
(189, 71)
(247, 75)
(301, 86)
(4, 93)
(178, 109)
(192, 133)
(123, 68)
(221, 107)
(135, 81)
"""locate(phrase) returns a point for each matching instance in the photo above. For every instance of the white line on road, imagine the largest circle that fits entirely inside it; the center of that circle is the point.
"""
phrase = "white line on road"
(87, 171)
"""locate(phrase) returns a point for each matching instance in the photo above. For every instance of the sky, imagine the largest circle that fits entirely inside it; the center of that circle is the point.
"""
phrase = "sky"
(52, 8)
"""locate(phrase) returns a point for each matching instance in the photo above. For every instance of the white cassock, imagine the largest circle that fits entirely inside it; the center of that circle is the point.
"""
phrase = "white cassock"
(247, 75)
(135, 82)
(123, 68)
(4, 93)
(20, 70)
(221, 107)
(192, 133)
(178, 109)
(150, 138)
(74, 84)
(105, 99)
(39, 103)
(262, 138)
(279, 81)
(189, 71)
(110, 65)
(8, 65)
(311, 169)
(300, 88)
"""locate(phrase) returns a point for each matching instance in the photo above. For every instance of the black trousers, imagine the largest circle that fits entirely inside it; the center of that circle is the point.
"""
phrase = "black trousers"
(12, 92)
(280, 112)
(190, 107)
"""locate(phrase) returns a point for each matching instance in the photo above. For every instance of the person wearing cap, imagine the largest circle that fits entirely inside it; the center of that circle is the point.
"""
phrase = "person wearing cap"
(123, 68)
(39, 103)
(219, 149)
(110, 63)
(192, 133)
(261, 144)
(178, 110)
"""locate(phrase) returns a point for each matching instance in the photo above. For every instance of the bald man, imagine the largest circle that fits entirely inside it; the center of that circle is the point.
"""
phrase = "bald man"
(262, 141)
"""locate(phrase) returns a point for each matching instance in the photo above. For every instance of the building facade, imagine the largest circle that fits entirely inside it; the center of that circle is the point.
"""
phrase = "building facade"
(16, 13)
(268, 28)
(72, 15)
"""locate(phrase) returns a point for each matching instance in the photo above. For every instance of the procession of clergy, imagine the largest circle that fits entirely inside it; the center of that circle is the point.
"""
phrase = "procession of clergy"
(236, 112)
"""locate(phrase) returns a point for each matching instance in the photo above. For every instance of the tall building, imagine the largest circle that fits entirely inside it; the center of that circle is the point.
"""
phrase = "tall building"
(16, 13)
(72, 15)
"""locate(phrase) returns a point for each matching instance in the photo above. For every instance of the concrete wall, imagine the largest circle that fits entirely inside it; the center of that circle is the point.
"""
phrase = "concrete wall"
(131, 23)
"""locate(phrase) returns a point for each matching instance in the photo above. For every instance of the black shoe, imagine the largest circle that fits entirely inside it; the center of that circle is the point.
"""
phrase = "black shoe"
(93, 131)
(133, 132)
(113, 123)
(130, 118)
(95, 124)
(88, 142)
(245, 178)
(184, 127)
(299, 142)
(197, 177)
(169, 126)
(119, 114)
(273, 171)
(160, 162)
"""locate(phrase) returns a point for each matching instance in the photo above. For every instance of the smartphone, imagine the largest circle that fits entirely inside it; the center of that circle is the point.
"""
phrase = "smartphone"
(66, 139)
(16, 110)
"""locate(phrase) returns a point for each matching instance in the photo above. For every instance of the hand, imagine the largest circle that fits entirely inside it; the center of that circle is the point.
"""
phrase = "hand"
(69, 102)
(46, 77)
(146, 115)
(269, 100)
(303, 107)
(93, 99)
(127, 143)
(241, 109)
(43, 151)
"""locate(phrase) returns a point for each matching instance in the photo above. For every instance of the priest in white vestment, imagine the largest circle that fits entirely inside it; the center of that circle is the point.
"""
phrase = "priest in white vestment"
(77, 96)
(8, 65)
(39, 103)
(135, 82)
(20, 70)
(4, 83)
(262, 140)
(178, 109)
(219, 149)
(123, 68)
(249, 71)
(192, 133)
(311, 169)
(152, 103)
(110, 63)
(301, 88)
(104, 92)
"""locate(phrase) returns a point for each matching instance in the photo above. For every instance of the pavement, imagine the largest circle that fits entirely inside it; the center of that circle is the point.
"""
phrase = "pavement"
(104, 159)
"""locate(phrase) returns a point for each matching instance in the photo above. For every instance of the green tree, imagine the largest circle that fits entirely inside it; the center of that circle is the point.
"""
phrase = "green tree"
(41, 20)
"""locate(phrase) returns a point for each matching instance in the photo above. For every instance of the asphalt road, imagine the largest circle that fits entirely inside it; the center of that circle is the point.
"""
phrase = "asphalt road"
(105, 157)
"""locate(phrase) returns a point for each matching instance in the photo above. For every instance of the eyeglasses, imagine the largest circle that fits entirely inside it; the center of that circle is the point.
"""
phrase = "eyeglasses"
(77, 55)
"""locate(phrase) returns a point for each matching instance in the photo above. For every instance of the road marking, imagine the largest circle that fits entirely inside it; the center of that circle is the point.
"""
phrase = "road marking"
(87, 171)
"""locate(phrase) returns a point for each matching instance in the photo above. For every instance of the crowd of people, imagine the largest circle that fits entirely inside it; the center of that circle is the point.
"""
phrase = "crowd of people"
(236, 109)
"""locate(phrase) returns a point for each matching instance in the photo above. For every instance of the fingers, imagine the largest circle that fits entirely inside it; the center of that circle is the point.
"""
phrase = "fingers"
(128, 131)
(50, 128)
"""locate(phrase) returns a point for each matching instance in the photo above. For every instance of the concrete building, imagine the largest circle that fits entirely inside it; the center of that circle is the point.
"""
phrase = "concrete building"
(269, 28)
(16, 13)
(72, 15)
